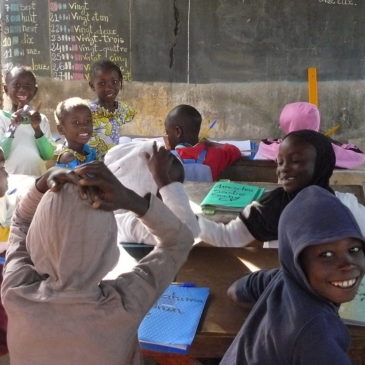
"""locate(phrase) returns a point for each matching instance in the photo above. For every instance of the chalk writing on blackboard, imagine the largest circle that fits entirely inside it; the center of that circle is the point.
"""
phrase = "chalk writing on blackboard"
(339, 2)
(23, 35)
(63, 38)
(80, 34)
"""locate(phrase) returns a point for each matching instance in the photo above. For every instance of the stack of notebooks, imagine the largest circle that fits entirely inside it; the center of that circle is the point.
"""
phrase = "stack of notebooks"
(171, 324)
(230, 196)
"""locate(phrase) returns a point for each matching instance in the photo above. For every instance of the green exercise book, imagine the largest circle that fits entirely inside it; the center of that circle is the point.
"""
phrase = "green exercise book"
(354, 312)
(230, 196)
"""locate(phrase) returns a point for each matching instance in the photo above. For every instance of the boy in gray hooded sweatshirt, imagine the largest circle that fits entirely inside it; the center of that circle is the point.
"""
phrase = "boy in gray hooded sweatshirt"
(295, 317)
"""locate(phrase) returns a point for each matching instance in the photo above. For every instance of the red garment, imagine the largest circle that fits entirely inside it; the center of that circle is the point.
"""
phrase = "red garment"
(217, 158)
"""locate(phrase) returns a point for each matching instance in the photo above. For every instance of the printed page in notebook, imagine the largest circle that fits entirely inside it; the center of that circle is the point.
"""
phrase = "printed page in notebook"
(171, 324)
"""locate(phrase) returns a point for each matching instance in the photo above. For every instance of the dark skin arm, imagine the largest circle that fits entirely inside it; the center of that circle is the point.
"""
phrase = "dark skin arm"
(54, 178)
(210, 143)
(106, 192)
(159, 163)
(231, 292)
(66, 157)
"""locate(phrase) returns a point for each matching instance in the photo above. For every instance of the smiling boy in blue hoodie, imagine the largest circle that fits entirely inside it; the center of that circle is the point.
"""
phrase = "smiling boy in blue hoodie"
(295, 317)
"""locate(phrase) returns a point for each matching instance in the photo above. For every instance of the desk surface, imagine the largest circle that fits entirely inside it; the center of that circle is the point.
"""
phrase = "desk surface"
(217, 268)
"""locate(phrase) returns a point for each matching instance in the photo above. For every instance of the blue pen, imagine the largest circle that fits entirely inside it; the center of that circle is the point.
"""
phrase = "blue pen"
(185, 285)
(213, 124)
(2, 260)
(9, 192)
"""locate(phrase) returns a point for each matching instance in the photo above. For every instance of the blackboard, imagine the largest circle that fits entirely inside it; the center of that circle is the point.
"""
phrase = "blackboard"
(189, 41)
(62, 39)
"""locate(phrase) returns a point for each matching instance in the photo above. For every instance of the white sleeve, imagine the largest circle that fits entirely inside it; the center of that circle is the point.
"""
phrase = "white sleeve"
(46, 129)
(176, 199)
(357, 209)
(232, 234)
(131, 229)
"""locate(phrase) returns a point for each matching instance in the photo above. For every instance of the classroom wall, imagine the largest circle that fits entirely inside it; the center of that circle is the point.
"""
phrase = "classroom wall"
(236, 61)
(243, 110)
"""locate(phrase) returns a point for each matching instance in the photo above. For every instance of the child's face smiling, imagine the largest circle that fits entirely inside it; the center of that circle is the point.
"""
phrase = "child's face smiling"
(296, 162)
(76, 125)
(106, 84)
(335, 269)
(21, 88)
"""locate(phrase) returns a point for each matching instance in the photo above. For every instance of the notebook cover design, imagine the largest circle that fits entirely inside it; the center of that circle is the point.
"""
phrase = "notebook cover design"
(171, 324)
(226, 195)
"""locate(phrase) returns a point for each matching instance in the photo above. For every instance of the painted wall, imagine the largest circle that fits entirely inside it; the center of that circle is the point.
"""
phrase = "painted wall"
(243, 110)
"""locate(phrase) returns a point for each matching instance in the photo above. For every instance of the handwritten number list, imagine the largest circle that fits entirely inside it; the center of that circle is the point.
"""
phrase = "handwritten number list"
(63, 38)
(24, 38)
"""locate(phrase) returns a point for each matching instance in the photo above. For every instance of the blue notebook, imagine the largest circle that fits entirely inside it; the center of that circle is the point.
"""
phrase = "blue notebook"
(171, 324)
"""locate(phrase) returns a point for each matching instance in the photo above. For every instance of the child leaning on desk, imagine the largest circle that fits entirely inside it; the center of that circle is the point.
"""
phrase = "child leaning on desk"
(25, 139)
(303, 115)
(182, 127)
(74, 121)
(305, 158)
(60, 309)
(295, 315)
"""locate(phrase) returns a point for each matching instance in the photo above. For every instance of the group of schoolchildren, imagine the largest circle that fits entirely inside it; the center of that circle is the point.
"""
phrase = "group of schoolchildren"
(65, 231)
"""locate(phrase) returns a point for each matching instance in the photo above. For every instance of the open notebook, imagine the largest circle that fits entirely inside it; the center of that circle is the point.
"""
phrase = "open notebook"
(171, 324)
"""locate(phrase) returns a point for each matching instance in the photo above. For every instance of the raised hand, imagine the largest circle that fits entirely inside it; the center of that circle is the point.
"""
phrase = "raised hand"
(159, 163)
(105, 191)
(54, 178)
(35, 121)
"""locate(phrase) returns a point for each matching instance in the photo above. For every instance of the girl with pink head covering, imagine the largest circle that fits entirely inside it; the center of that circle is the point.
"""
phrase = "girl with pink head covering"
(302, 115)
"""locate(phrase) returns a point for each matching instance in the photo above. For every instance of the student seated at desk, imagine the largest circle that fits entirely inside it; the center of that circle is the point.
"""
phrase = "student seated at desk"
(303, 115)
(60, 309)
(295, 315)
(131, 167)
(182, 127)
(305, 158)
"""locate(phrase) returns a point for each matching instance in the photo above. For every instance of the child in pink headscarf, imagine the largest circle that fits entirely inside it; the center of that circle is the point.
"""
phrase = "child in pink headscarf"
(303, 115)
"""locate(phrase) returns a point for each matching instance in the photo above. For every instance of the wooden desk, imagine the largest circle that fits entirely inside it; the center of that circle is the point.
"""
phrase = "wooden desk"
(265, 171)
(217, 268)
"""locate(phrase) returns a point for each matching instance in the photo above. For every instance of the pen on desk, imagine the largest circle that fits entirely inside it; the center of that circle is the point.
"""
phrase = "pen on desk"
(186, 284)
